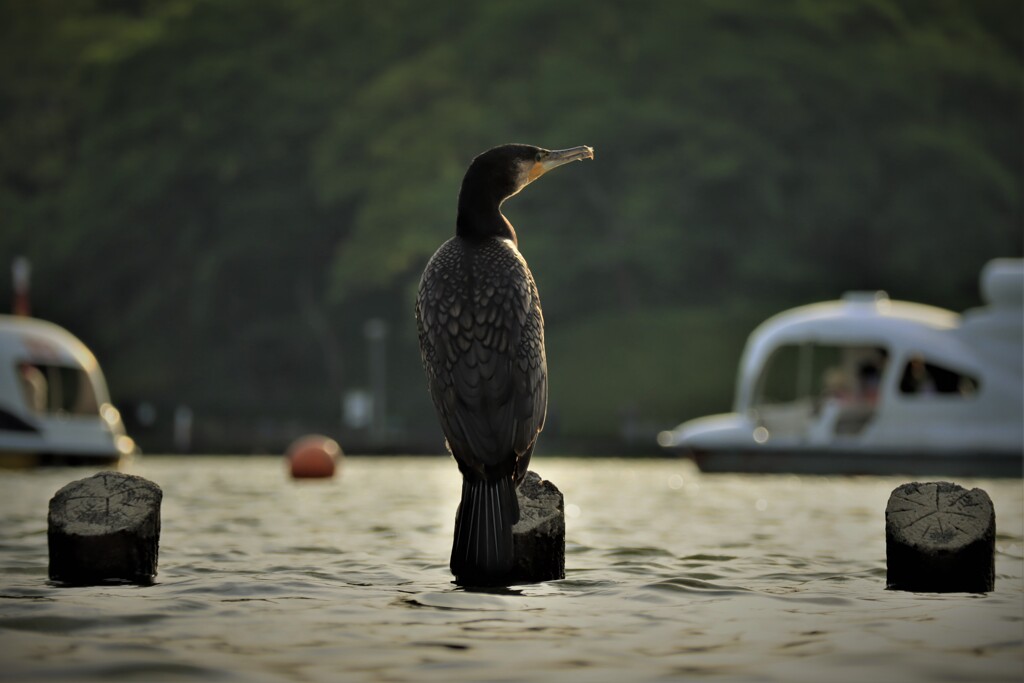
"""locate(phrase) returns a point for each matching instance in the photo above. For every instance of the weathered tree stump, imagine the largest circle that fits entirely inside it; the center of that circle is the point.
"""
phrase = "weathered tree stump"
(538, 538)
(105, 528)
(940, 538)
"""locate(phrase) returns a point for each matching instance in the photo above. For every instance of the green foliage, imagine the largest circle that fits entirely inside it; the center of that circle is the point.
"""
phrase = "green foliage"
(216, 194)
(643, 370)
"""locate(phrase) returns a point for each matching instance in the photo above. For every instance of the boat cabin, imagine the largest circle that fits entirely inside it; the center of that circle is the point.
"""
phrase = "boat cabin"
(54, 404)
(871, 378)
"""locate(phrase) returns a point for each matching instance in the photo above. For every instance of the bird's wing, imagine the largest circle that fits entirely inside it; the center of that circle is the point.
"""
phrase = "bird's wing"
(481, 337)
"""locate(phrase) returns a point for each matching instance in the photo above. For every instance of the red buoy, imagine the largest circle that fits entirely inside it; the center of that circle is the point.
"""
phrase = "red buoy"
(313, 456)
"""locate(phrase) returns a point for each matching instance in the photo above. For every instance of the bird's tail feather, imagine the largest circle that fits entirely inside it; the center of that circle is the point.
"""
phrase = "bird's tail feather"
(482, 552)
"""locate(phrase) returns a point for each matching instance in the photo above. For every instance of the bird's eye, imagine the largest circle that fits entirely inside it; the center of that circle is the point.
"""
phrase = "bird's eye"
(540, 155)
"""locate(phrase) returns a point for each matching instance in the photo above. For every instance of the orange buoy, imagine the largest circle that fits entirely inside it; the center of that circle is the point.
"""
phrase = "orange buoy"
(313, 456)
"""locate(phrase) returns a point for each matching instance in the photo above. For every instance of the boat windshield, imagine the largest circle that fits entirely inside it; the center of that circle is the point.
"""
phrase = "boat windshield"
(57, 390)
(807, 387)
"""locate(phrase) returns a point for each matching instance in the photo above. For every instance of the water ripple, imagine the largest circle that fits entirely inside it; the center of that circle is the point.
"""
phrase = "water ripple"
(265, 579)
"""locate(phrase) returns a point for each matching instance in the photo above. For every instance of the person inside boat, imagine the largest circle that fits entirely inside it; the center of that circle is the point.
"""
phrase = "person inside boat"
(869, 376)
(916, 378)
(849, 393)
(837, 384)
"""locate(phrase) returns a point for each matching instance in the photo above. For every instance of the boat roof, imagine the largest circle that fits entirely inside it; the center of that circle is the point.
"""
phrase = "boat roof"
(858, 316)
(873, 319)
(858, 319)
(38, 341)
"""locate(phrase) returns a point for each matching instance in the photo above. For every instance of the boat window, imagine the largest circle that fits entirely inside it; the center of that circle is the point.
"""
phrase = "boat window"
(820, 389)
(921, 378)
(778, 382)
(57, 389)
(798, 371)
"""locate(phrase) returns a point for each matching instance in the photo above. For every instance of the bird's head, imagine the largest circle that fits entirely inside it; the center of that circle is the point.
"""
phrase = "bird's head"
(503, 171)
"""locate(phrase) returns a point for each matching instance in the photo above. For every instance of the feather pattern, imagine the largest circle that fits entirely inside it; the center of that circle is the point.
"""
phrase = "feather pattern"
(483, 531)
(481, 334)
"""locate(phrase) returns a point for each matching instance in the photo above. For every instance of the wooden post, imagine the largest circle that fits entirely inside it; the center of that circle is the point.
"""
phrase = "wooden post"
(940, 538)
(105, 528)
(538, 539)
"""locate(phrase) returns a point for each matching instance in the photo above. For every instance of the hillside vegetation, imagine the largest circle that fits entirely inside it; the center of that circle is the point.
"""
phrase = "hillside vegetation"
(216, 195)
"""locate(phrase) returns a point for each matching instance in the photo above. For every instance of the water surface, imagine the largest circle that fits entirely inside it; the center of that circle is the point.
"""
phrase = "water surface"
(671, 575)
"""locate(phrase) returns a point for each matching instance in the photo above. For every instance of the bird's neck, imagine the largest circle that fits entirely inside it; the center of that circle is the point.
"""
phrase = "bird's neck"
(480, 216)
(472, 225)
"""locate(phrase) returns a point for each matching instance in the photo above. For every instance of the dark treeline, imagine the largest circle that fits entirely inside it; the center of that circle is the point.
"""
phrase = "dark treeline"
(217, 195)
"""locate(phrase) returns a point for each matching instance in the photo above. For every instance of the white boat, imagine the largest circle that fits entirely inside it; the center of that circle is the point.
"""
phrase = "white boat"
(867, 385)
(54, 404)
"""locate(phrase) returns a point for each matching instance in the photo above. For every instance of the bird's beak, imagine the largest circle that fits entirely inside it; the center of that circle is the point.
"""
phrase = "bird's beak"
(559, 157)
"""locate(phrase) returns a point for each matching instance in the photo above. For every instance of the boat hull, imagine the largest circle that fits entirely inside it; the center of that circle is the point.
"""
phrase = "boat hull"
(850, 462)
(24, 460)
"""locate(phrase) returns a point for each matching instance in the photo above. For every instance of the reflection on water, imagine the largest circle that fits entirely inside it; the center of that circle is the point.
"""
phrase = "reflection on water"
(670, 575)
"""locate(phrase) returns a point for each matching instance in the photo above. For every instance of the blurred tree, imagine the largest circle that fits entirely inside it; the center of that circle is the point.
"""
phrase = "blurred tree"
(217, 194)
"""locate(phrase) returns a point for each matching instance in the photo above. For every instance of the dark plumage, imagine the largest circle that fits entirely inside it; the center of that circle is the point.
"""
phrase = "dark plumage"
(481, 334)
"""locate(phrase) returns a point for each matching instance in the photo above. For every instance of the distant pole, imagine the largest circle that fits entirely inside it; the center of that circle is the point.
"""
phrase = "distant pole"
(376, 331)
(21, 273)
(183, 429)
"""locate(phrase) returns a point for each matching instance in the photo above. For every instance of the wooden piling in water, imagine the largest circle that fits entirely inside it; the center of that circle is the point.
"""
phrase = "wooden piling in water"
(105, 528)
(940, 538)
(538, 538)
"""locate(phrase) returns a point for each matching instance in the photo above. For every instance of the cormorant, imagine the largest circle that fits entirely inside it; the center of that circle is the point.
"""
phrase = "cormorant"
(481, 334)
